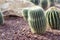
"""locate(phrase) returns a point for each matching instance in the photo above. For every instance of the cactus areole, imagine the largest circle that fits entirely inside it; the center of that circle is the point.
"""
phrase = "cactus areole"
(37, 20)
(53, 17)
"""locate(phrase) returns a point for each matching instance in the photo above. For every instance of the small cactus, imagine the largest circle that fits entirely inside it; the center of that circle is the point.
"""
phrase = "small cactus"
(36, 2)
(53, 17)
(1, 18)
(37, 20)
(44, 4)
(25, 13)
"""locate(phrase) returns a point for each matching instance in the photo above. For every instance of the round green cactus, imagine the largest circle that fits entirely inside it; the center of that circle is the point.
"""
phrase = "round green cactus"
(53, 17)
(25, 13)
(37, 20)
(44, 4)
(36, 2)
(1, 18)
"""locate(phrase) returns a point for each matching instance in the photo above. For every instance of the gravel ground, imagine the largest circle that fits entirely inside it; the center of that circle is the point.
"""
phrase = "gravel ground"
(18, 29)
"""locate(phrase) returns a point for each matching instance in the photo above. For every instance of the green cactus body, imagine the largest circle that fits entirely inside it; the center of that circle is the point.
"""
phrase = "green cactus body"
(37, 20)
(1, 18)
(36, 2)
(25, 13)
(53, 17)
(44, 4)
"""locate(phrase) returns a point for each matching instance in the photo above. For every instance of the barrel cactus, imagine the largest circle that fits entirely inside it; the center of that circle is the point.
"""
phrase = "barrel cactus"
(44, 4)
(36, 2)
(25, 13)
(37, 20)
(1, 18)
(53, 17)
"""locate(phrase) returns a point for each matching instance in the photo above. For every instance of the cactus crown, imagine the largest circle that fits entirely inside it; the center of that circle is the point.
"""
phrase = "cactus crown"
(36, 12)
(36, 8)
(52, 9)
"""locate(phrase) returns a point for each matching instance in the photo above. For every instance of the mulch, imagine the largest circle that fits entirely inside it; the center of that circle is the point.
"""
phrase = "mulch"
(16, 28)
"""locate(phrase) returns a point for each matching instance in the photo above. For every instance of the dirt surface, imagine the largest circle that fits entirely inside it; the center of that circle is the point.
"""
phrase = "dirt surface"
(18, 29)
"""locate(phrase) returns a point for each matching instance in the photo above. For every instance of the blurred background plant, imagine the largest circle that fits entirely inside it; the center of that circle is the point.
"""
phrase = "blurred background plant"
(15, 6)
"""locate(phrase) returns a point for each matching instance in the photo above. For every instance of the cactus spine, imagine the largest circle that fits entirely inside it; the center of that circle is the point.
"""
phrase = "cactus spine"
(53, 17)
(25, 13)
(1, 18)
(36, 2)
(37, 20)
(44, 4)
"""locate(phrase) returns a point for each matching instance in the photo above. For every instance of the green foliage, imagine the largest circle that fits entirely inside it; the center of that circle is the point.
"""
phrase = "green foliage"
(53, 17)
(36, 2)
(37, 20)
